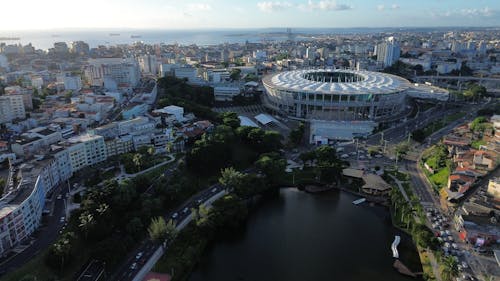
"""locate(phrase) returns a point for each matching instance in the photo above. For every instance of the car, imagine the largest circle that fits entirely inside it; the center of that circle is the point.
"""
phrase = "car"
(175, 215)
(361, 157)
(138, 256)
(214, 190)
(62, 219)
(378, 155)
(59, 197)
(185, 210)
(133, 266)
(199, 201)
(464, 264)
(344, 156)
(353, 153)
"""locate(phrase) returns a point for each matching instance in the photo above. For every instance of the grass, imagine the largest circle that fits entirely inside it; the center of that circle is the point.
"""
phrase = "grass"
(426, 264)
(477, 143)
(304, 176)
(440, 178)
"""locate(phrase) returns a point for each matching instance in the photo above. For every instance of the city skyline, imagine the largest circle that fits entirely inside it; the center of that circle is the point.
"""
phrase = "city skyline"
(218, 14)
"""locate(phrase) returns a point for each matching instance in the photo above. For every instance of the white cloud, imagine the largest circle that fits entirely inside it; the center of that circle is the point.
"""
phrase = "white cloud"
(199, 7)
(470, 13)
(269, 7)
(382, 7)
(325, 5)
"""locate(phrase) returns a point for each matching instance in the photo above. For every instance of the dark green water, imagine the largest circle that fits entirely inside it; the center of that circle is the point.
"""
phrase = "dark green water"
(300, 236)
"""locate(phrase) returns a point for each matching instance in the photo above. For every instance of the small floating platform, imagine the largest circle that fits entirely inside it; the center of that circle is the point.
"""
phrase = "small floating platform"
(359, 201)
(403, 269)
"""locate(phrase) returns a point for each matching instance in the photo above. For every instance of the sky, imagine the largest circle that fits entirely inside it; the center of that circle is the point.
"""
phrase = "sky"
(227, 14)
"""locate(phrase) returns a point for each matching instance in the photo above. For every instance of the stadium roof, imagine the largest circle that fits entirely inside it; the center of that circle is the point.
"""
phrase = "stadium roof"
(371, 82)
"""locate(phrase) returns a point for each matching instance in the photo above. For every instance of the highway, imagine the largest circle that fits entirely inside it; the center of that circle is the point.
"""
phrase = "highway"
(137, 258)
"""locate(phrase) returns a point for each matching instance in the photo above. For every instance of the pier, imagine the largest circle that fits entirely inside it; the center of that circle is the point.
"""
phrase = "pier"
(394, 246)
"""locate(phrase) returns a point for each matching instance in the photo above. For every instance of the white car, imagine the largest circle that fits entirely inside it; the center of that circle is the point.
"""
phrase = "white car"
(62, 219)
(344, 156)
(175, 215)
(138, 256)
(133, 266)
(465, 265)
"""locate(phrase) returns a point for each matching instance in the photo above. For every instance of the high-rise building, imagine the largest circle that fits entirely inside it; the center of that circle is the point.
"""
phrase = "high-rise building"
(388, 52)
(123, 72)
(11, 107)
(79, 47)
(86, 150)
(61, 48)
(148, 64)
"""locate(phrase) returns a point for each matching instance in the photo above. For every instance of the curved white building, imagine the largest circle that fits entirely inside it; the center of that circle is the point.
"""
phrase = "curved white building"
(336, 94)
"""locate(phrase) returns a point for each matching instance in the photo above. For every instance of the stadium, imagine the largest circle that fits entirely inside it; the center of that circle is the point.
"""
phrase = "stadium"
(336, 94)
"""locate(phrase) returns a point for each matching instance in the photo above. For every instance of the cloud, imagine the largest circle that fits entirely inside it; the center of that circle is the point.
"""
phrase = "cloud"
(470, 13)
(325, 5)
(269, 7)
(382, 7)
(199, 7)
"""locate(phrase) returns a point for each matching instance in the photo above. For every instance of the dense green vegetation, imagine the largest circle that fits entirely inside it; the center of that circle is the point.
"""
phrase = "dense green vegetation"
(230, 145)
(195, 99)
(142, 159)
(297, 135)
(436, 157)
(419, 135)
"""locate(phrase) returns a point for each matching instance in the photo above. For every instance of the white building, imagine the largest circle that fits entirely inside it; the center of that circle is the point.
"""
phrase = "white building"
(148, 64)
(176, 111)
(25, 93)
(388, 52)
(11, 107)
(4, 62)
(123, 72)
(190, 73)
(226, 91)
(86, 150)
(72, 82)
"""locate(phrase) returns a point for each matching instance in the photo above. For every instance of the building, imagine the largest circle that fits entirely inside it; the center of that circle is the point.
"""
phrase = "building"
(189, 73)
(23, 201)
(388, 52)
(11, 107)
(176, 111)
(226, 91)
(119, 145)
(86, 150)
(494, 188)
(26, 146)
(61, 48)
(79, 47)
(71, 82)
(114, 72)
(148, 64)
(26, 95)
(334, 94)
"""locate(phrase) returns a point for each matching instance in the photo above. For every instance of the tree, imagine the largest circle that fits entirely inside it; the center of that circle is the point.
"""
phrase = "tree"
(157, 230)
(235, 74)
(135, 227)
(151, 150)
(60, 251)
(272, 165)
(297, 134)
(418, 135)
(230, 178)
(138, 161)
(230, 119)
(449, 269)
(86, 223)
(307, 157)
(402, 149)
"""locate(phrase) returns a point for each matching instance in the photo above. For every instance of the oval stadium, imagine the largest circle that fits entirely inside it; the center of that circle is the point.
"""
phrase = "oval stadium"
(349, 102)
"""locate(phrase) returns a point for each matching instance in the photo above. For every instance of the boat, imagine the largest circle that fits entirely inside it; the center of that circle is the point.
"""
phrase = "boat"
(10, 38)
(135, 36)
(114, 34)
(359, 201)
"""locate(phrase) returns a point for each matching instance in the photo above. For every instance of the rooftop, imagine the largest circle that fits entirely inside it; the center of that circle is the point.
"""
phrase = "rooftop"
(363, 82)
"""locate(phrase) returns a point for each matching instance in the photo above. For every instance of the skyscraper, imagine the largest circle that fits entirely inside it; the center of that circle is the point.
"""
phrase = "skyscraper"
(388, 52)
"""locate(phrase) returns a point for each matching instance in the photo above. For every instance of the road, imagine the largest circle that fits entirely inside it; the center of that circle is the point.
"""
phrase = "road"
(136, 259)
(44, 236)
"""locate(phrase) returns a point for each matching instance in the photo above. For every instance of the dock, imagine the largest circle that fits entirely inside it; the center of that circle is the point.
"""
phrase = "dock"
(394, 246)
(403, 269)
(359, 201)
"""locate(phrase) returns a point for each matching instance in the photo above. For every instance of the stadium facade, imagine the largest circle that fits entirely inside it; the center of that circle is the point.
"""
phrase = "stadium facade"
(336, 94)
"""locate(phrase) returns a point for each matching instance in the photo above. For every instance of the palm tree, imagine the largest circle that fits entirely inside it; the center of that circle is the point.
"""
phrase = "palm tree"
(86, 222)
(157, 230)
(138, 159)
(450, 269)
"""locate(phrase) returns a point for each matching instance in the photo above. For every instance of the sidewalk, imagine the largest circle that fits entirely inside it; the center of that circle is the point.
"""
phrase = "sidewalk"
(123, 175)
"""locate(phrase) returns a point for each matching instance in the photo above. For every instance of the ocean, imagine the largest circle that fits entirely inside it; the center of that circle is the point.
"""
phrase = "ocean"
(45, 39)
